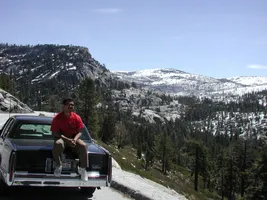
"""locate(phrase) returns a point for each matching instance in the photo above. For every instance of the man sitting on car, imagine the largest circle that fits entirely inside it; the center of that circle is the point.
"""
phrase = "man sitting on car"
(66, 127)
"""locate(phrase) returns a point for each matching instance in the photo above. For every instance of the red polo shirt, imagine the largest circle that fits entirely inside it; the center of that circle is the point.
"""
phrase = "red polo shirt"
(67, 126)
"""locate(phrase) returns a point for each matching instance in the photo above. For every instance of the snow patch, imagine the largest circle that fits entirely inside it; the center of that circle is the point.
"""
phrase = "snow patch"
(54, 74)
(250, 80)
(72, 68)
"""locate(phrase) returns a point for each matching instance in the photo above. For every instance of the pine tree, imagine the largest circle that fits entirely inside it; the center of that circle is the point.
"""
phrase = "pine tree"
(149, 145)
(87, 101)
(164, 148)
(232, 172)
(258, 177)
(7, 84)
(108, 127)
(121, 134)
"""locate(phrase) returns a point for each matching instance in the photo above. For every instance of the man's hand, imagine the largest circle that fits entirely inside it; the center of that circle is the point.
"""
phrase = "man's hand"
(73, 142)
(70, 141)
(77, 136)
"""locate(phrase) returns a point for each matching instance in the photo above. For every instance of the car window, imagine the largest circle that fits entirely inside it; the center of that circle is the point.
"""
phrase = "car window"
(5, 130)
(39, 131)
(4, 126)
(34, 130)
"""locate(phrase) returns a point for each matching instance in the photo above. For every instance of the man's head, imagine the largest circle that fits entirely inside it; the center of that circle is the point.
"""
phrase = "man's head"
(68, 105)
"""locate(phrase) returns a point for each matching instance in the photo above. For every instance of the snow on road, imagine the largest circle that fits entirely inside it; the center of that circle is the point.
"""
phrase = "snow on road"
(147, 187)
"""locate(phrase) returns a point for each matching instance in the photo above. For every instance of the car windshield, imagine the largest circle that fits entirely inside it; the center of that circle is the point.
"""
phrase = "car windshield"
(41, 131)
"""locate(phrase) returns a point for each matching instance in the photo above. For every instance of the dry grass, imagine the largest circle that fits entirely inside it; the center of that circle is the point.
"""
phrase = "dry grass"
(178, 179)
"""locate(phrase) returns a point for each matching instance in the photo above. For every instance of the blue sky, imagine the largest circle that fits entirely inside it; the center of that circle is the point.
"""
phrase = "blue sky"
(218, 38)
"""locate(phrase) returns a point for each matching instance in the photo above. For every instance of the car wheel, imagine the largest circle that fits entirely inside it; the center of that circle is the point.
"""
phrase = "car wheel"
(88, 190)
(3, 187)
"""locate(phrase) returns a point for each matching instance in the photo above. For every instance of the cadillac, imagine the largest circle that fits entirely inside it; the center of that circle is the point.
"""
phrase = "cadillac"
(26, 157)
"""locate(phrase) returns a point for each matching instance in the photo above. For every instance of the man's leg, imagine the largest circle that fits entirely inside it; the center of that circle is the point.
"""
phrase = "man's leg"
(81, 148)
(57, 150)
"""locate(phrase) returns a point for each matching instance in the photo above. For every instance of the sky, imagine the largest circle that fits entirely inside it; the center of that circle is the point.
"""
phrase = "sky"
(217, 38)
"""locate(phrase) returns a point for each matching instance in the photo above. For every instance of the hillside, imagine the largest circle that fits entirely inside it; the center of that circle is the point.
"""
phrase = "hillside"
(57, 70)
(250, 80)
(46, 70)
(178, 82)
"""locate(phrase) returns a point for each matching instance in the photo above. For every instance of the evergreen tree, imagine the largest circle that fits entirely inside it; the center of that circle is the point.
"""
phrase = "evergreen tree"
(7, 84)
(149, 145)
(108, 127)
(258, 177)
(121, 134)
(164, 148)
(86, 106)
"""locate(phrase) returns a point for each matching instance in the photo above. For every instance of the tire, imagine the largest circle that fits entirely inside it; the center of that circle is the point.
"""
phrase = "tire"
(89, 191)
(3, 187)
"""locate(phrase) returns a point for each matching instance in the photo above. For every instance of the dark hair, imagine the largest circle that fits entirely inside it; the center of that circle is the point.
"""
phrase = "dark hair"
(66, 100)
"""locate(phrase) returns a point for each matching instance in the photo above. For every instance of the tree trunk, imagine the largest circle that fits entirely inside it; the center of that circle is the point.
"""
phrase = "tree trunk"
(230, 192)
(243, 182)
(196, 169)
(164, 154)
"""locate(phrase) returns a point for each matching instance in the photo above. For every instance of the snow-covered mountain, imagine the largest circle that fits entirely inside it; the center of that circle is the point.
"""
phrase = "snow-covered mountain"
(178, 82)
(249, 80)
(44, 71)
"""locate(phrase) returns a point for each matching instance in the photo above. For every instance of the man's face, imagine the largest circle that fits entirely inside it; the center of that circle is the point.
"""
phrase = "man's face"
(68, 106)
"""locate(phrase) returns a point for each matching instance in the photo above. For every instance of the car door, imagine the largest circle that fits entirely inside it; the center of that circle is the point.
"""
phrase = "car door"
(4, 146)
(2, 132)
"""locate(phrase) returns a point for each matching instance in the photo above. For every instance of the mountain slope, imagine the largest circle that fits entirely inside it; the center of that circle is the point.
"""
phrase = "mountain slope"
(45, 70)
(249, 80)
(46, 62)
(181, 83)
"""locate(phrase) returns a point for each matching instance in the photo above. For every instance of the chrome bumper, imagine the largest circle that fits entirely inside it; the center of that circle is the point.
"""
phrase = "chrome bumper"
(65, 180)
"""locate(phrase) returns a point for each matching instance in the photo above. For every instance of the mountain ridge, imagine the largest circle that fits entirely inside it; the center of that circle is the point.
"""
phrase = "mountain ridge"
(58, 69)
(179, 82)
(46, 70)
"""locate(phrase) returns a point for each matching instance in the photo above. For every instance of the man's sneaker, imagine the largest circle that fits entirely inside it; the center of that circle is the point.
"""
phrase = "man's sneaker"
(83, 173)
(57, 171)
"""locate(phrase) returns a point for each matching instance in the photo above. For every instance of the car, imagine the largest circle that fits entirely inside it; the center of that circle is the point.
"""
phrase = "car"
(26, 157)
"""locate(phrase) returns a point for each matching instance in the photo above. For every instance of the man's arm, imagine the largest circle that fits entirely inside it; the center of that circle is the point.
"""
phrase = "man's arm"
(56, 134)
(59, 135)
(80, 127)
(78, 135)
(66, 139)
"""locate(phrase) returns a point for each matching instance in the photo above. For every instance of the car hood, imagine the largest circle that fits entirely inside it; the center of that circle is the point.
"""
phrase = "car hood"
(32, 144)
